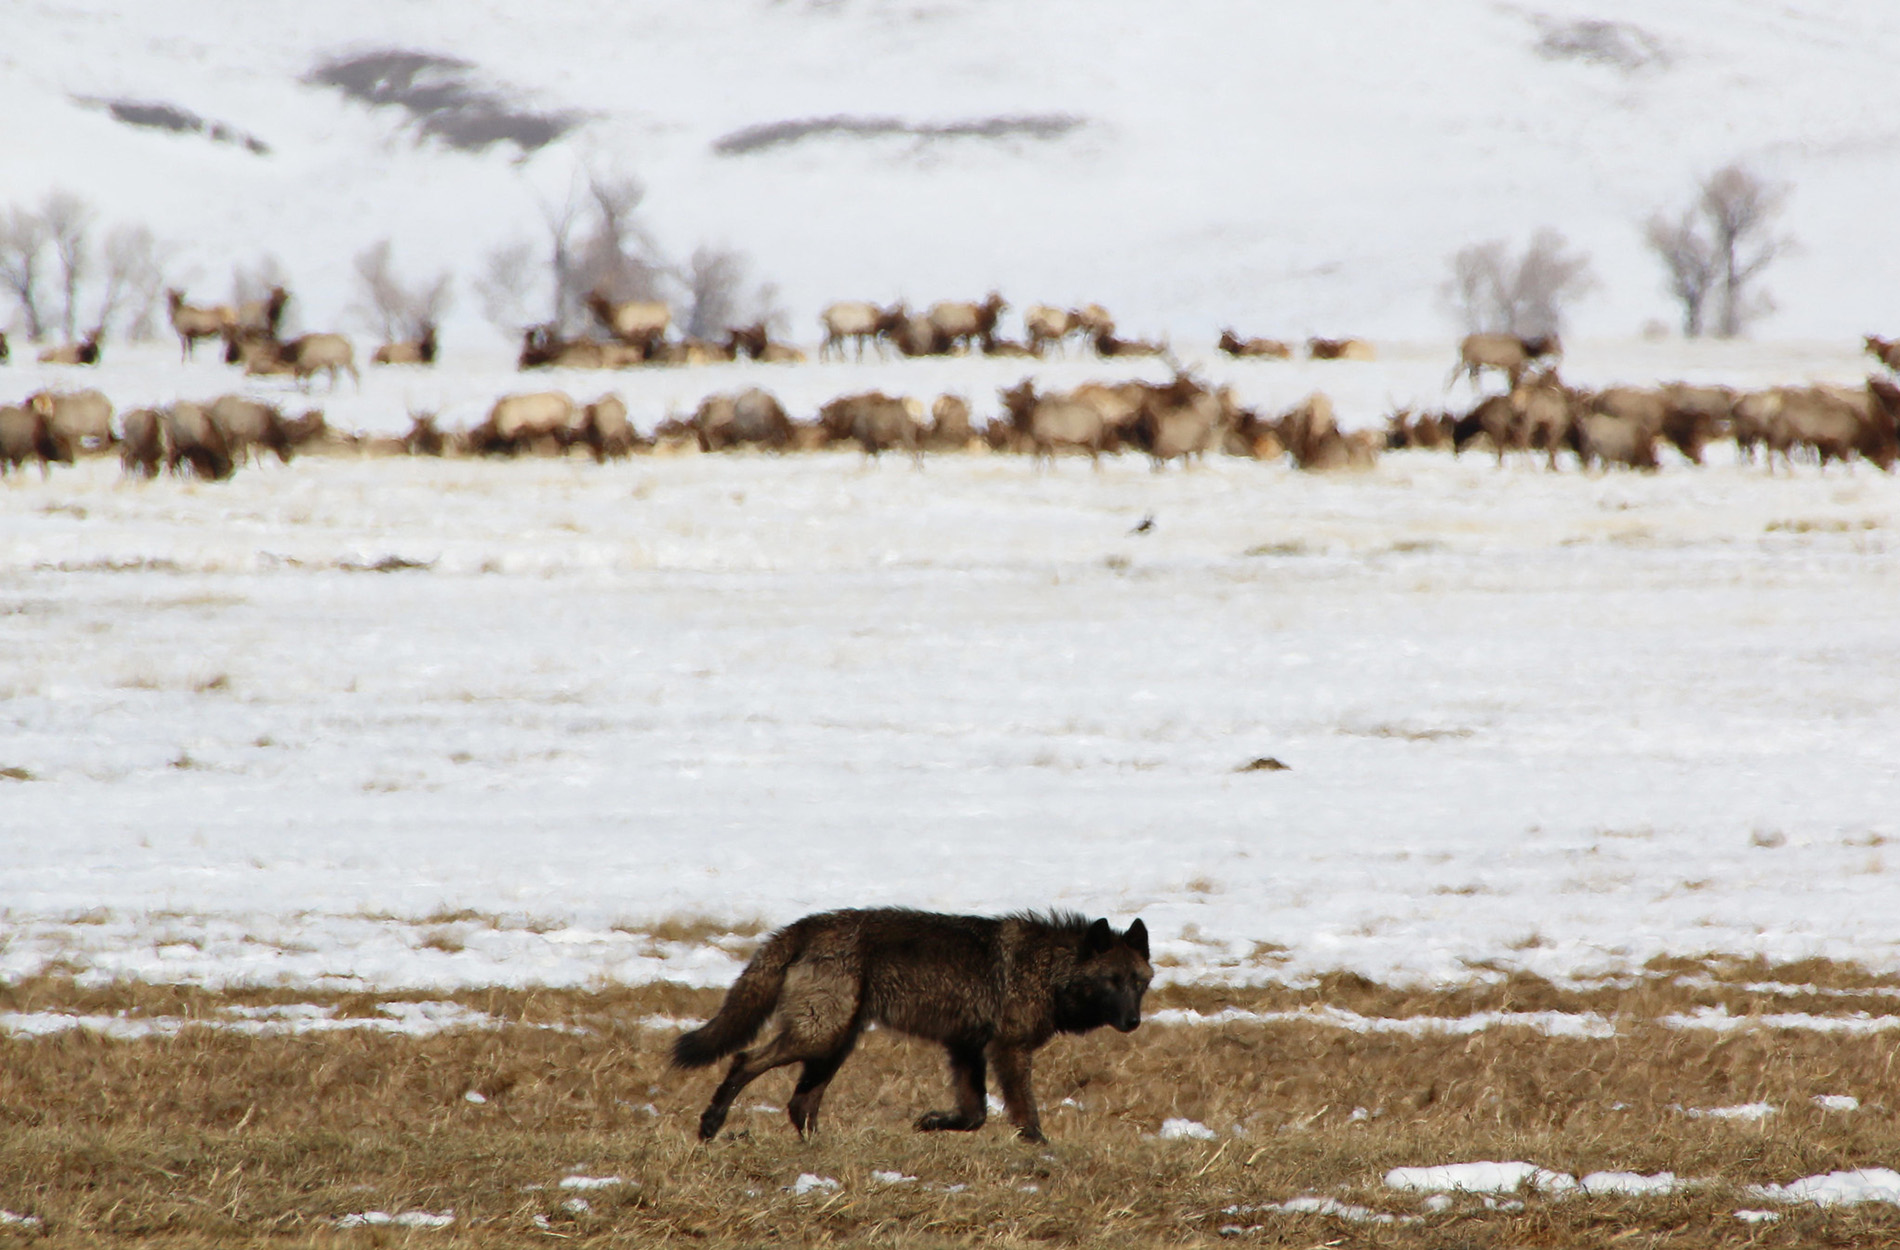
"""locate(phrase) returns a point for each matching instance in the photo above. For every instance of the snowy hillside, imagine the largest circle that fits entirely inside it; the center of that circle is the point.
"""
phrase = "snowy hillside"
(1288, 168)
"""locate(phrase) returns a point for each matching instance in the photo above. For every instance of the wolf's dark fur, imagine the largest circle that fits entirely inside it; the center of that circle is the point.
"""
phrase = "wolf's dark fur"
(991, 990)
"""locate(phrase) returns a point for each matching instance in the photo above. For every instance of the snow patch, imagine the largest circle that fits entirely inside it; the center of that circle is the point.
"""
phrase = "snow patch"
(1480, 1178)
(1837, 1189)
(404, 1219)
(811, 1182)
(1632, 1183)
(1745, 1112)
(1185, 1130)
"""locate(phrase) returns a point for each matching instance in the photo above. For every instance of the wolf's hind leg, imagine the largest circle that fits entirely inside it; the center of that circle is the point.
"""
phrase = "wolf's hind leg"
(813, 1080)
(747, 1067)
(966, 1082)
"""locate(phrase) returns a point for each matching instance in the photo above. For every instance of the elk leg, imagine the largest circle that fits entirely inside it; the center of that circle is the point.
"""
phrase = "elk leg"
(1013, 1069)
(966, 1082)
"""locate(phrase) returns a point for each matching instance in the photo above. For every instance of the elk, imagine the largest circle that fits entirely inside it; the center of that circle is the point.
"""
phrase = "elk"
(1046, 325)
(262, 316)
(544, 420)
(1886, 351)
(876, 422)
(142, 444)
(310, 354)
(752, 416)
(1339, 349)
(1110, 347)
(78, 421)
(23, 437)
(1693, 415)
(424, 437)
(1092, 321)
(639, 323)
(249, 428)
(193, 323)
(858, 321)
(193, 443)
(84, 352)
(747, 342)
(1049, 423)
(1604, 438)
(1267, 349)
(950, 423)
(417, 351)
(606, 430)
(1313, 438)
(957, 324)
(1178, 420)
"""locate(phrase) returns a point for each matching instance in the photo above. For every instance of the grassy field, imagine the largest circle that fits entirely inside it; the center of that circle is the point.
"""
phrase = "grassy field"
(202, 1134)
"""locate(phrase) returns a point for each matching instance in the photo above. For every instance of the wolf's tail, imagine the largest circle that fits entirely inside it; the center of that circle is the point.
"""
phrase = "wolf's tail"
(749, 1003)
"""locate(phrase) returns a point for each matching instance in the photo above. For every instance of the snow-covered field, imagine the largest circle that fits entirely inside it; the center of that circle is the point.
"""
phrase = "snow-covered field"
(1557, 722)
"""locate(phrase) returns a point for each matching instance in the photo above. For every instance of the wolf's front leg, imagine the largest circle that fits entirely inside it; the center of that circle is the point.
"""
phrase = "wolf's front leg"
(1012, 1075)
(967, 1082)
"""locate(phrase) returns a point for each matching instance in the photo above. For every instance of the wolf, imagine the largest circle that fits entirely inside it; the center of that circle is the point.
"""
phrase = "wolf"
(990, 989)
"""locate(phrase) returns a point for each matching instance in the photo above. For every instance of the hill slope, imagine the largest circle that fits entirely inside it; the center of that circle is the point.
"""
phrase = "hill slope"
(1289, 168)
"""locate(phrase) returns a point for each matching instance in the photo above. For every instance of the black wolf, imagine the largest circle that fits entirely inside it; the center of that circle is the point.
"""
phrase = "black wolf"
(991, 990)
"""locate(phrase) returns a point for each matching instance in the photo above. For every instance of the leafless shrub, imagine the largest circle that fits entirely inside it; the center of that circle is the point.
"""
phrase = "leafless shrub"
(1492, 291)
(507, 281)
(1719, 247)
(131, 282)
(394, 308)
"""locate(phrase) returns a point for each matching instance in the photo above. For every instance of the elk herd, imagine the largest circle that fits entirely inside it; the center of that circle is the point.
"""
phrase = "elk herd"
(1181, 419)
(1625, 425)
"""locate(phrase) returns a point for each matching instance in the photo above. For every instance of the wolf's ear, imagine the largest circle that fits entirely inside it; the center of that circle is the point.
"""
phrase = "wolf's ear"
(1100, 938)
(1137, 938)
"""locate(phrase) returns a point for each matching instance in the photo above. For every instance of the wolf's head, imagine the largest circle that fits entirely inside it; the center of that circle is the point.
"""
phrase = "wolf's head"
(1111, 974)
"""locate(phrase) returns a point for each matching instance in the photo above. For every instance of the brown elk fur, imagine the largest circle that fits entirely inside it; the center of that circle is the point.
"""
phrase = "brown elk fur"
(1886, 351)
(417, 351)
(991, 991)
(1340, 349)
(1050, 423)
(640, 323)
(1260, 349)
(84, 352)
(752, 416)
(193, 323)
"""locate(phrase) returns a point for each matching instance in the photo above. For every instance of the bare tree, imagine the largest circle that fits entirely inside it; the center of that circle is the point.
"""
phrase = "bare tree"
(505, 285)
(1490, 290)
(131, 279)
(68, 223)
(22, 254)
(1689, 265)
(1741, 208)
(1719, 247)
(396, 309)
(715, 279)
(596, 243)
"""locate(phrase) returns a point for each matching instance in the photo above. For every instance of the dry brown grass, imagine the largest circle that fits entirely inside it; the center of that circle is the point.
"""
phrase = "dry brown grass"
(215, 1138)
